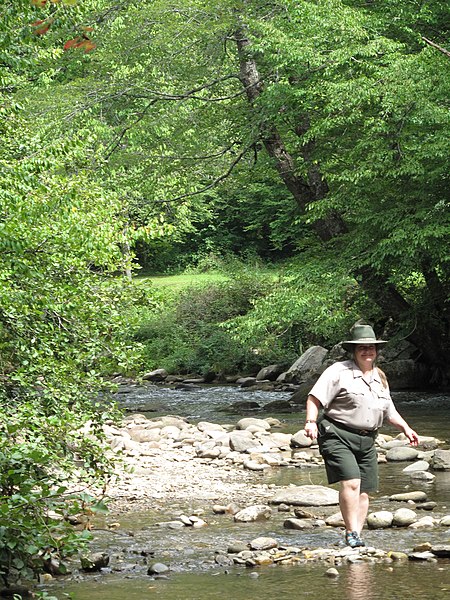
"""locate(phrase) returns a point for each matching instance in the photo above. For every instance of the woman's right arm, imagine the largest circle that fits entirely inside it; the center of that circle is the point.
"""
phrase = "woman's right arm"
(312, 412)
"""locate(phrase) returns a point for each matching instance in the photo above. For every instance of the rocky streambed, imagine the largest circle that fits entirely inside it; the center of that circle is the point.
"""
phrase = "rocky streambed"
(217, 480)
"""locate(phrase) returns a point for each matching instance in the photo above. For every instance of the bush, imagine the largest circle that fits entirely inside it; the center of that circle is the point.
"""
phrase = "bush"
(187, 337)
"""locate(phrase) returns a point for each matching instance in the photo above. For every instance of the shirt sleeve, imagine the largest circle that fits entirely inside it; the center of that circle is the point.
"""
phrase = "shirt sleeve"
(328, 385)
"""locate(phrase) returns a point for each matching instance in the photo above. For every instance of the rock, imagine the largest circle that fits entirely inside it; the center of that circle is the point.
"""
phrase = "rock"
(422, 523)
(171, 524)
(405, 374)
(257, 512)
(332, 572)
(241, 441)
(280, 440)
(208, 450)
(278, 406)
(301, 393)
(441, 550)
(263, 543)
(424, 547)
(397, 556)
(301, 513)
(306, 495)
(157, 568)
(335, 520)
(441, 460)
(236, 547)
(246, 381)
(145, 435)
(445, 521)
(404, 517)
(420, 465)
(156, 375)
(422, 476)
(198, 523)
(301, 440)
(380, 520)
(247, 422)
(426, 505)
(293, 523)
(421, 555)
(207, 427)
(409, 496)
(392, 443)
(94, 562)
(402, 453)
(271, 372)
(309, 362)
(254, 465)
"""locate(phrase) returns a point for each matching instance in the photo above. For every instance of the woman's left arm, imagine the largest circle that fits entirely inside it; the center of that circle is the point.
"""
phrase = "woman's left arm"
(399, 422)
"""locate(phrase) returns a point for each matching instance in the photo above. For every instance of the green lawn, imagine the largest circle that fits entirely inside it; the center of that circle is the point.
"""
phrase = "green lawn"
(178, 282)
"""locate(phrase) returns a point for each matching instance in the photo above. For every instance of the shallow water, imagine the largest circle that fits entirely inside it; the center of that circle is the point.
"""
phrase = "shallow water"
(355, 582)
(190, 553)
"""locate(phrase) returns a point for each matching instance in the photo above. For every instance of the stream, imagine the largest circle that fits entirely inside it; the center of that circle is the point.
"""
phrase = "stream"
(190, 552)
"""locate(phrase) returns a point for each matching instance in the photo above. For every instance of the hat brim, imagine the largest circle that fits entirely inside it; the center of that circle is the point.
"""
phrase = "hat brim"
(350, 345)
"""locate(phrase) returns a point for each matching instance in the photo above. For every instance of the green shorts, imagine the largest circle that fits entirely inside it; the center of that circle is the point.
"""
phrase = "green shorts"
(348, 455)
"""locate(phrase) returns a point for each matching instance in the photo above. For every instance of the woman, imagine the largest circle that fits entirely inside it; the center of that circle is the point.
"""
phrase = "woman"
(355, 398)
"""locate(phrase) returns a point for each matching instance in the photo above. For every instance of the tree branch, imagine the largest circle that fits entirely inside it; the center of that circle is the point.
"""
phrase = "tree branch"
(434, 45)
(216, 181)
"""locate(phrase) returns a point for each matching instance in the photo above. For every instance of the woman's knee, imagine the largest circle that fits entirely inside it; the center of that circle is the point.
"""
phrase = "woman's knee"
(351, 485)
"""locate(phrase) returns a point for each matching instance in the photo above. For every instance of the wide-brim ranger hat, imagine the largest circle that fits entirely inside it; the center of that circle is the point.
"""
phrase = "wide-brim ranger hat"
(362, 334)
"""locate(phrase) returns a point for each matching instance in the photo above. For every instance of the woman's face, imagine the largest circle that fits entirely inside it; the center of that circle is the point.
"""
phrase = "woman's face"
(365, 354)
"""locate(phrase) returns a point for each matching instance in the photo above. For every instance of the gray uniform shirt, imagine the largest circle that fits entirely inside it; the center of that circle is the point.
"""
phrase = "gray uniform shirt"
(348, 398)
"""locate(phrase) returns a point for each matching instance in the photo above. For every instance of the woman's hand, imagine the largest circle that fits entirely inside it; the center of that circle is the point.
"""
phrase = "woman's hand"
(312, 412)
(412, 436)
(311, 430)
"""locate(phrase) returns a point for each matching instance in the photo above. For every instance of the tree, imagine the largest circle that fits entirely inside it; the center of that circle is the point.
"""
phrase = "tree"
(60, 319)
(338, 96)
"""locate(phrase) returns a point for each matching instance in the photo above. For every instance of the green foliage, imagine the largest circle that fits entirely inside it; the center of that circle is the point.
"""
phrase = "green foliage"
(186, 335)
(312, 304)
(44, 463)
(252, 320)
(61, 311)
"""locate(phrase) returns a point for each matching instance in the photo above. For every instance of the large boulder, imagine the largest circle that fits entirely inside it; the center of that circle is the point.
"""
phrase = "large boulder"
(405, 374)
(301, 393)
(271, 372)
(308, 364)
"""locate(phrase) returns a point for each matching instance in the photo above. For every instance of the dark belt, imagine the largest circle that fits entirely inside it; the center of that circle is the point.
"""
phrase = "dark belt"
(371, 432)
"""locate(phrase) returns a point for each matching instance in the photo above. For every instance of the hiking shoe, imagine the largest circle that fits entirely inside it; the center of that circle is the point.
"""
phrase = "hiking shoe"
(353, 540)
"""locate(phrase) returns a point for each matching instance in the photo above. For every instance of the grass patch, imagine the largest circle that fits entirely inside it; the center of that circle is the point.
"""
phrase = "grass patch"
(179, 282)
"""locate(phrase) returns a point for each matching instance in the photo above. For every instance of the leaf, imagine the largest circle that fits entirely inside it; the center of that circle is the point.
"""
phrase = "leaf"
(71, 43)
(87, 45)
(42, 29)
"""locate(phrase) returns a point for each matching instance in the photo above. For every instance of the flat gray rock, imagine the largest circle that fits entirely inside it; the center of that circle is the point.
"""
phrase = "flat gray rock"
(306, 495)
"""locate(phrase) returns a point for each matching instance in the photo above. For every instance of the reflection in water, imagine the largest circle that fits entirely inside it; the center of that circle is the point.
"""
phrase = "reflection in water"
(359, 582)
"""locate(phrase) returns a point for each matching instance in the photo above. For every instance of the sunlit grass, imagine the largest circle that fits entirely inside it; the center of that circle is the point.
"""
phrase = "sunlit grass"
(178, 282)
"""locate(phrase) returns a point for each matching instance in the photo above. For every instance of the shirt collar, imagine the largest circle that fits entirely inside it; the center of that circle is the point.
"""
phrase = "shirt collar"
(358, 373)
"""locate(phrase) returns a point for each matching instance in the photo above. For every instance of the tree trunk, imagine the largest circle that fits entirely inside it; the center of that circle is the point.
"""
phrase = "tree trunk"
(303, 191)
(425, 335)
